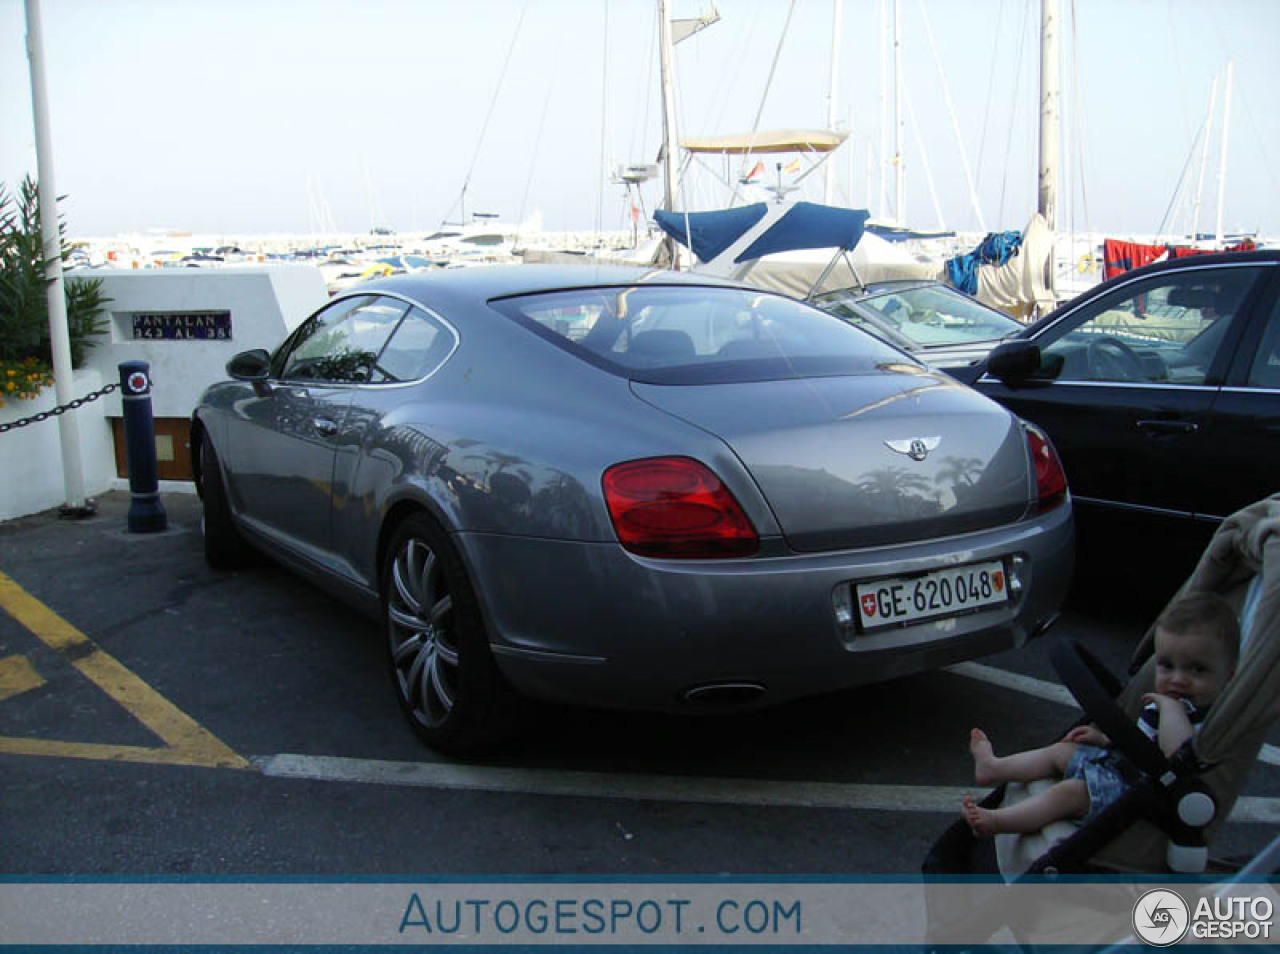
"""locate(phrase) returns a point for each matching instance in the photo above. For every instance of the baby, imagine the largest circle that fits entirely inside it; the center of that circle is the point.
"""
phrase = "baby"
(1197, 640)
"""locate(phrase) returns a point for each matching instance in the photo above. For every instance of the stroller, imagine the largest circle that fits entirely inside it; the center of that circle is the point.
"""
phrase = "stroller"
(1166, 821)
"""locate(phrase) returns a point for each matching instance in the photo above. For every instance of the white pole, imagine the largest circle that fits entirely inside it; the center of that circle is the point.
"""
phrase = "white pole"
(1049, 118)
(1222, 161)
(882, 157)
(670, 140)
(1049, 129)
(59, 334)
(830, 182)
(1204, 159)
(899, 119)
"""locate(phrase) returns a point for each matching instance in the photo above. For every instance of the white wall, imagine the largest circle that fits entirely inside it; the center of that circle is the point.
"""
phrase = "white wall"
(265, 303)
(31, 477)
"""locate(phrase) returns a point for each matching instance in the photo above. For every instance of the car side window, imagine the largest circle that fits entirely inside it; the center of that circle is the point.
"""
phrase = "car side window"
(1265, 371)
(341, 345)
(418, 347)
(1166, 330)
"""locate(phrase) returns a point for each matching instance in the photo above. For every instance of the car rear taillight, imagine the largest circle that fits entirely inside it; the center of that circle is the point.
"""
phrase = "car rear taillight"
(1051, 480)
(676, 507)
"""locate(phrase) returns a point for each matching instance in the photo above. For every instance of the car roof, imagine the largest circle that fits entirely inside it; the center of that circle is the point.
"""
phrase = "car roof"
(486, 282)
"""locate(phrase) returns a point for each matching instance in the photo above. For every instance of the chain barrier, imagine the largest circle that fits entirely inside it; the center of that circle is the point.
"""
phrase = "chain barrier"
(54, 412)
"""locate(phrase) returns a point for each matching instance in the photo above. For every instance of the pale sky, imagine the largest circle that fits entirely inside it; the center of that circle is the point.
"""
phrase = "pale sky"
(236, 116)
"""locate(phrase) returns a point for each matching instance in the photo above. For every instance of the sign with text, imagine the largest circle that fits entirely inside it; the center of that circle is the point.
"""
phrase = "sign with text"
(183, 326)
(703, 912)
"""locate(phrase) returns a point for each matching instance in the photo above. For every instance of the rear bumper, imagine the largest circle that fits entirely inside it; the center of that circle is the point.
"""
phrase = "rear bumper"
(594, 625)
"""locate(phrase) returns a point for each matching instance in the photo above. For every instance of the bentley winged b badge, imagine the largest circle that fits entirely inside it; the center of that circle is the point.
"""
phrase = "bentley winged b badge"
(917, 448)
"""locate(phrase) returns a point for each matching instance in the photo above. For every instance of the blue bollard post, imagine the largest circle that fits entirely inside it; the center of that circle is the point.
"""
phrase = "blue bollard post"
(146, 513)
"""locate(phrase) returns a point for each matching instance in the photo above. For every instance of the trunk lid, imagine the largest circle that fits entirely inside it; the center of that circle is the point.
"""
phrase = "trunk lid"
(835, 461)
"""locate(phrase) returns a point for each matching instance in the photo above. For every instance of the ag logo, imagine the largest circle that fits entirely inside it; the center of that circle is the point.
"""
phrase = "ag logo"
(1161, 918)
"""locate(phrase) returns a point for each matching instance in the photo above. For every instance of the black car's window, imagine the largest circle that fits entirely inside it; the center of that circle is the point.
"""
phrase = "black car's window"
(416, 348)
(1167, 329)
(342, 344)
(1265, 372)
(675, 334)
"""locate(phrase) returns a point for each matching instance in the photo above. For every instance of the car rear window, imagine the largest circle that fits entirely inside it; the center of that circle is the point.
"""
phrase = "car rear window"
(698, 335)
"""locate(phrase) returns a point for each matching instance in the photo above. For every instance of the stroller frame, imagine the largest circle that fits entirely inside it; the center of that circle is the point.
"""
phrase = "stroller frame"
(1174, 805)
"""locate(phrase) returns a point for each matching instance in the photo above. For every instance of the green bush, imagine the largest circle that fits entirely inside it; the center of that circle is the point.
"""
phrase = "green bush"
(25, 349)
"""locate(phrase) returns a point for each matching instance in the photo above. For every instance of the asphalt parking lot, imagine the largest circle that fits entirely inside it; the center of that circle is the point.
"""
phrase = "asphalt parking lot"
(157, 717)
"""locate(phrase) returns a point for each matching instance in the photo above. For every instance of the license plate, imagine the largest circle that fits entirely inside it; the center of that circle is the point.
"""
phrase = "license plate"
(949, 592)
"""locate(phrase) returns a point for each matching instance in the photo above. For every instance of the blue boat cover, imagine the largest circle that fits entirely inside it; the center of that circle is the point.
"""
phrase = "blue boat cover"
(996, 249)
(709, 233)
(805, 225)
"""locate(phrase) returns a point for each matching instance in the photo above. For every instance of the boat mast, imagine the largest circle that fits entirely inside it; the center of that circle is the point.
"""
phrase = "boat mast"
(1222, 160)
(670, 141)
(1204, 159)
(899, 119)
(829, 183)
(882, 158)
(1049, 122)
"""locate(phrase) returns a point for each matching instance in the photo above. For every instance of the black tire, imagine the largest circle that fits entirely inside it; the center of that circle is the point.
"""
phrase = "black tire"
(224, 547)
(443, 672)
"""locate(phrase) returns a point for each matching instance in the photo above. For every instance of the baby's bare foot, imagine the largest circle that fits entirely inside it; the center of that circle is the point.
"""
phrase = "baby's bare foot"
(982, 821)
(984, 758)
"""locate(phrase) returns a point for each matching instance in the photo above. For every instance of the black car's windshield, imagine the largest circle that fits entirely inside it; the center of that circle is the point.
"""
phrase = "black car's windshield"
(689, 334)
(926, 315)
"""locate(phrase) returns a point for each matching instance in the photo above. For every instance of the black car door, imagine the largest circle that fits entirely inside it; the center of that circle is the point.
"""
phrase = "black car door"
(1244, 433)
(1127, 386)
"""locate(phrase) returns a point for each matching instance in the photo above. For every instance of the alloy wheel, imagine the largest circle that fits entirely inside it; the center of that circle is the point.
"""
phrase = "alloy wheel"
(424, 645)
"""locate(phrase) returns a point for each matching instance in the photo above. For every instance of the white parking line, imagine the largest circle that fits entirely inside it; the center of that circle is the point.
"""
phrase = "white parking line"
(1011, 680)
(661, 788)
(719, 791)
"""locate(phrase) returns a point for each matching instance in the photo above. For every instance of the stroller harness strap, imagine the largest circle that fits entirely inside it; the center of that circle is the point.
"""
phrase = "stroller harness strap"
(1085, 677)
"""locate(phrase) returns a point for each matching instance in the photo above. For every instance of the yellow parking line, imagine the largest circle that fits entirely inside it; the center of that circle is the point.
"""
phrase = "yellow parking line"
(186, 741)
(17, 675)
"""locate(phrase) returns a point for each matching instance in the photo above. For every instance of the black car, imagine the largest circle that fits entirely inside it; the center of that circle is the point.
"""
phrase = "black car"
(1161, 391)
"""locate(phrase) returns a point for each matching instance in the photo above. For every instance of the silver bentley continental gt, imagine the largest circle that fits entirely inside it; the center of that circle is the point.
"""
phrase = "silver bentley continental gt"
(625, 488)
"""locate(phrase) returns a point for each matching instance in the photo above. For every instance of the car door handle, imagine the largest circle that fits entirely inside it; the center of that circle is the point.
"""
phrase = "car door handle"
(324, 427)
(1156, 428)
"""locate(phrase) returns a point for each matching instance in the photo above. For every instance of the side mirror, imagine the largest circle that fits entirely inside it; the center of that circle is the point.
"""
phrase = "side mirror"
(1014, 361)
(252, 365)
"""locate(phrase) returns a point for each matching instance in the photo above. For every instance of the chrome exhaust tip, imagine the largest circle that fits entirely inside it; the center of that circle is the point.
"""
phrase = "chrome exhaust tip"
(723, 695)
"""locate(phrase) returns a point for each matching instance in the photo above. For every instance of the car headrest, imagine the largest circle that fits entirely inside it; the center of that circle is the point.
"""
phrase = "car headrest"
(672, 345)
(1195, 297)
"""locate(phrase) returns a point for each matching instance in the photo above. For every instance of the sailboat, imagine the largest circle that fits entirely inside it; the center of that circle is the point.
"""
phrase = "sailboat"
(796, 247)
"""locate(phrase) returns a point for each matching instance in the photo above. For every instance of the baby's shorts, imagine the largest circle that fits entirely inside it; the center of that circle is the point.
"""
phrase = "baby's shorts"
(1098, 768)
